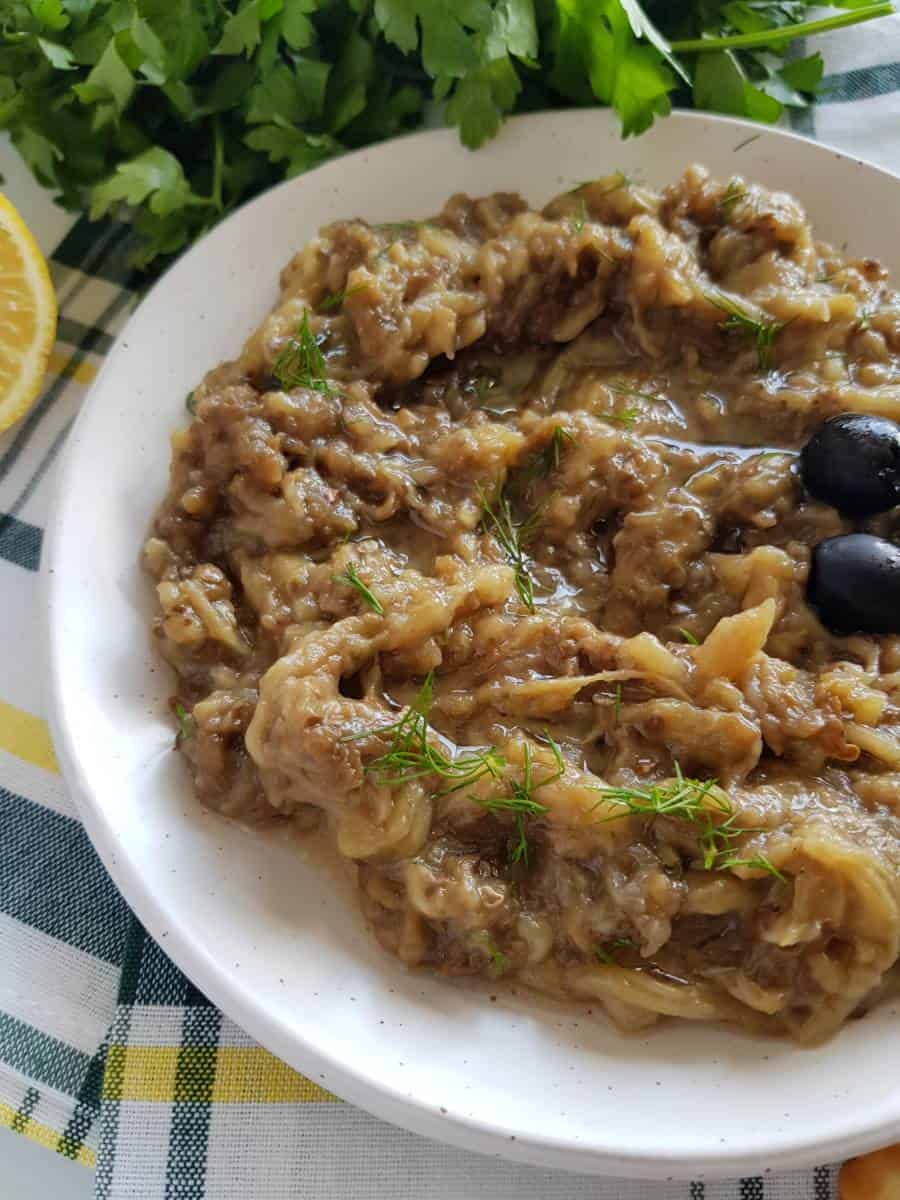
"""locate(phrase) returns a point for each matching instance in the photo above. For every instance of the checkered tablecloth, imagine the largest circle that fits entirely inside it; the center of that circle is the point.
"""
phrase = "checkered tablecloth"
(108, 1054)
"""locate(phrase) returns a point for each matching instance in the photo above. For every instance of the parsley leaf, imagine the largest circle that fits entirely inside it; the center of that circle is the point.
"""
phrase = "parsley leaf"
(173, 112)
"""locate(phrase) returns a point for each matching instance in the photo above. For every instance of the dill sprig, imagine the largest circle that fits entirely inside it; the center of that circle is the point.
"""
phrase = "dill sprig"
(700, 803)
(499, 961)
(626, 417)
(300, 362)
(335, 299)
(762, 330)
(577, 222)
(552, 453)
(513, 536)
(865, 319)
(352, 579)
(607, 953)
(621, 389)
(520, 800)
(190, 403)
(412, 755)
(187, 726)
(688, 636)
(732, 195)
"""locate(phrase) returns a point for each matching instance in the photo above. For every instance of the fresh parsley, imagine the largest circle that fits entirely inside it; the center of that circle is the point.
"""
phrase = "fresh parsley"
(174, 112)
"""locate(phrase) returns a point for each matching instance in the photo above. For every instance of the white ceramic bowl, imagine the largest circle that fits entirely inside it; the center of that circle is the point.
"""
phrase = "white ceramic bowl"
(255, 923)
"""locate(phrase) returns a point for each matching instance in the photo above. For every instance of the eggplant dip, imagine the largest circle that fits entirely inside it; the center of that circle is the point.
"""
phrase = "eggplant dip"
(548, 560)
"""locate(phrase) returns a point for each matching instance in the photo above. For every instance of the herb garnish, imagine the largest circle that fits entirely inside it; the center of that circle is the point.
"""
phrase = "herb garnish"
(499, 961)
(513, 537)
(552, 453)
(520, 799)
(335, 299)
(190, 403)
(300, 362)
(187, 726)
(732, 195)
(626, 417)
(762, 330)
(618, 389)
(576, 223)
(351, 578)
(688, 636)
(607, 953)
(698, 802)
(412, 756)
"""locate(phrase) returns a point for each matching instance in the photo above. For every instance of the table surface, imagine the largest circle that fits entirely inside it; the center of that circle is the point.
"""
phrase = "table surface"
(29, 1171)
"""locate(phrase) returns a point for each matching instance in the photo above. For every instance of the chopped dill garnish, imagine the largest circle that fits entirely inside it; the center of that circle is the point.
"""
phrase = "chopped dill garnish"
(577, 222)
(335, 299)
(521, 801)
(865, 320)
(412, 756)
(513, 536)
(190, 403)
(483, 385)
(699, 803)
(626, 417)
(499, 961)
(762, 330)
(300, 362)
(620, 389)
(351, 578)
(827, 276)
(186, 724)
(607, 953)
(617, 704)
(392, 227)
(732, 195)
(688, 636)
(552, 453)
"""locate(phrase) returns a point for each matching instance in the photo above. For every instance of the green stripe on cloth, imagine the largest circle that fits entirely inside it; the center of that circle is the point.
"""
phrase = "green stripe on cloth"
(82, 908)
(87, 337)
(194, 1078)
(862, 84)
(45, 1059)
(26, 1108)
(20, 542)
(79, 251)
(86, 1109)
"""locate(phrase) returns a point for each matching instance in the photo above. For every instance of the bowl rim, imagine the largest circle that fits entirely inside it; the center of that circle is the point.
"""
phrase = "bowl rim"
(377, 1096)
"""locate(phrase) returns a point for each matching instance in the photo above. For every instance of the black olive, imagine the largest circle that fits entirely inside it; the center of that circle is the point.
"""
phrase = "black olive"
(854, 583)
(852, 462)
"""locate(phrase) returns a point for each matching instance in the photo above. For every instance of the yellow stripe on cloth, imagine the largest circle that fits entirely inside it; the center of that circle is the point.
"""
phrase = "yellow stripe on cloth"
(42, 1134)
(243, 1075)
(246, 1073)
(62, 363)
(26, 737)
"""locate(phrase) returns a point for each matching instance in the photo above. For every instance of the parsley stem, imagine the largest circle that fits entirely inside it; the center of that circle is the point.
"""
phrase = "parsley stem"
(218, 163)
(786, 33)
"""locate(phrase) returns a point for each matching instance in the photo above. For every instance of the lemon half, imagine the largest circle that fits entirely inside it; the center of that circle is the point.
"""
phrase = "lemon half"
(27, 316)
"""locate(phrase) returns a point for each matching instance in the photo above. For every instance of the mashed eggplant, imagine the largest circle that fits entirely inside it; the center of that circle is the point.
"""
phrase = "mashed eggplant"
(490, 551)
